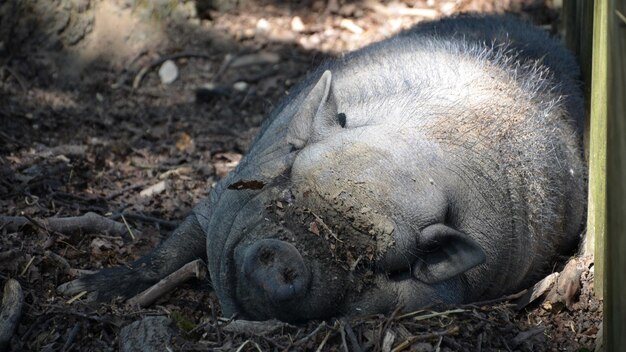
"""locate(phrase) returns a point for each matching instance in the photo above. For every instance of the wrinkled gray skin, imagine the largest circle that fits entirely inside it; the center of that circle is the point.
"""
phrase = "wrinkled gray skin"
(442, 165)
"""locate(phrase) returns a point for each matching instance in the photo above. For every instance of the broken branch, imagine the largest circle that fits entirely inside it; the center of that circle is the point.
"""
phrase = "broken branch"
(90, 223)
(196, 269)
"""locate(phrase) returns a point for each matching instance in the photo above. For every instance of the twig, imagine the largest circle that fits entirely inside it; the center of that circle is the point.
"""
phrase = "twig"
(506, 345)
(143, 71)
(17, 77)
(77, 297)
(431, 315)
(228, 60)
(71, 337)
(620, 16)
(196, 269)
(243, 345)
(30, 262)
(385, 326)
(344, 343)
(258, 348)
(526, 335)
(128, 228)
(319, 348)
(313, 333)
(438, 345)
(216, 323)
(36, 223)
(406, 343)
(89, 222)
(325, 227)
(497, 300)
(169, 225)
(277, 345)
(352, 337)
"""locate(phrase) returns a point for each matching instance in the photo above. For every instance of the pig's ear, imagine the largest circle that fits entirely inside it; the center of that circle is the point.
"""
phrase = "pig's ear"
(446, 253)
(317, 114)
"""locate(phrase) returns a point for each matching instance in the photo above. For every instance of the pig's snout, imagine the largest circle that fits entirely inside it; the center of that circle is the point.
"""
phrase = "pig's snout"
(277, 269)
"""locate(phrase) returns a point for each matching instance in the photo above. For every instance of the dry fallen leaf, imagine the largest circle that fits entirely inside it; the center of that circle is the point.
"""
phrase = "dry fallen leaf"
(185, 143)
(225, 162)
(154, 189)
(313, 228)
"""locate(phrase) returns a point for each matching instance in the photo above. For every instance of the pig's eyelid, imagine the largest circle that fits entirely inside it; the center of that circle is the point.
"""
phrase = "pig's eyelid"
(341, 119)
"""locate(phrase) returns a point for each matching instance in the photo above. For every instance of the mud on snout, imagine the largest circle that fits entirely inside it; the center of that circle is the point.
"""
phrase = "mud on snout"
(297, 263)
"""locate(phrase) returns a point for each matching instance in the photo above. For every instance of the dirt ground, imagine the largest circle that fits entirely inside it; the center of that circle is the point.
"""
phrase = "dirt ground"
(87, 125)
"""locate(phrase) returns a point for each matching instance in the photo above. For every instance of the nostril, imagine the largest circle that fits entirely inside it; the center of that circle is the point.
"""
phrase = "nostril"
(277, 269)
(266, 257)
(289, 275)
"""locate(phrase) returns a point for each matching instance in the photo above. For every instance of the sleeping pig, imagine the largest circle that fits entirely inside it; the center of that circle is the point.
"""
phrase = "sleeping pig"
(442, 165)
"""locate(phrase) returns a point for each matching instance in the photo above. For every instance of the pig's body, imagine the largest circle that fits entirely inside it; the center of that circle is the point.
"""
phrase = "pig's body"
(439, 166)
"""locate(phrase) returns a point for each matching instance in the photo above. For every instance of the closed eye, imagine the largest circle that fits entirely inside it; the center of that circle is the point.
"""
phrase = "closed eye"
(341, 118)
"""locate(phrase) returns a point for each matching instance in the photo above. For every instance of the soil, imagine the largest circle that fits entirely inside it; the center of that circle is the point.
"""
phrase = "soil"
(88, 126)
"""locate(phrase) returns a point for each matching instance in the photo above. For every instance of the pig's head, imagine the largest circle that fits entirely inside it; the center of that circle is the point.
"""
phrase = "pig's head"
(338, 221)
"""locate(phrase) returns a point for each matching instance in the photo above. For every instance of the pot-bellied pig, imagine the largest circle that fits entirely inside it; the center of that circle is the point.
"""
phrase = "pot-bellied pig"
(442, 165)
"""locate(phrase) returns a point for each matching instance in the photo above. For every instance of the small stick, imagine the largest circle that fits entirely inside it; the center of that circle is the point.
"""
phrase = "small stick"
(506, 345)
(128, 228)
(216, 324)
(89, 222)
(406, 343)
(243, 345)
(479, 343)
(71, 337)
(313, 333)
(325, 227)
(77, 297)
(385, 326)
(431, 315)
(30, 262)
(37, 223)
(342, 332)
(620, 16)
(498, 300)
(17, 77)
(196, 269)
(170, 225)
(324, 341)
(352, 337)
